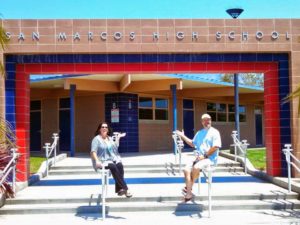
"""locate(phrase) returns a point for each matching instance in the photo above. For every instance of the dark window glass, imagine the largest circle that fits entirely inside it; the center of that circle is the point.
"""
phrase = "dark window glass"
(161, 103)
(242, 118)
(64, 103)
(35, 105)
(231, 117)
(161, 114)
(145, 114)
(221, 117)
(211, 106)
(221, 107)
(213, 116)
(188, 104)
(145, 102)
(231, 108)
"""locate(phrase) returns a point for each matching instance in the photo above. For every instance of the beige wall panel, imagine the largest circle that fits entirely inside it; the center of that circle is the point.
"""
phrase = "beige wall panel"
(90, 111)
(155, 136)
(50, 120)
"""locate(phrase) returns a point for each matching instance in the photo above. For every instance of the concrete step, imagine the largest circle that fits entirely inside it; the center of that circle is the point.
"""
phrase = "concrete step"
(96, 198)
(141, 206)
(139, 170)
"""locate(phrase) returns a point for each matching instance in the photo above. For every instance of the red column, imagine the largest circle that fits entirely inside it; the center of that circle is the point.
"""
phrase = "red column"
(272, 123)
(22, 122)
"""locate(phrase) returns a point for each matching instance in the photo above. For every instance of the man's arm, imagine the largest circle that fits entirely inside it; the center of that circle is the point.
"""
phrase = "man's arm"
(211, 150)
(185, 138)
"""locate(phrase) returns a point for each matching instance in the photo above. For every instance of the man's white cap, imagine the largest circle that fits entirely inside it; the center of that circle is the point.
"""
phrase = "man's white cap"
(205, 116)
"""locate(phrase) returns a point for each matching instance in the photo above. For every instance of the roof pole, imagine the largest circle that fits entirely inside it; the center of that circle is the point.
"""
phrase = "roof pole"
(174, 109)
(72, 119)
(236, 104)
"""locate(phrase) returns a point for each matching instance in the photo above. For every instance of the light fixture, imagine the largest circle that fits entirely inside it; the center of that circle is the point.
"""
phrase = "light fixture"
(235, 12)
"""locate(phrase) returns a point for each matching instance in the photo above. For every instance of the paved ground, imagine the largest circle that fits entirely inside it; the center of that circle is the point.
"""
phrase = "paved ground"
(156, 218)
(219, 188)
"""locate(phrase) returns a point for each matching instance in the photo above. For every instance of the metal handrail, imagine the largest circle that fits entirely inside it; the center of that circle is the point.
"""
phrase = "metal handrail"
(49, 149)
(242, 146)
(179, 145)
(105, 173)
(287, 151)
(207, 172)
(10, 167)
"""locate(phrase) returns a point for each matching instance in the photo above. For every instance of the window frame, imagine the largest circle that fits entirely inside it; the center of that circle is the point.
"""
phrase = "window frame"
(154, 108)
(214, 114)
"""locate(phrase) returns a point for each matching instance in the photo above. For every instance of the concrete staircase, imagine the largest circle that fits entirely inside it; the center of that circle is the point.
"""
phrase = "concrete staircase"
(73, 187)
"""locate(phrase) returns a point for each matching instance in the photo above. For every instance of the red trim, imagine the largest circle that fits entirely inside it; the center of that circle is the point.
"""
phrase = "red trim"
(272, 125)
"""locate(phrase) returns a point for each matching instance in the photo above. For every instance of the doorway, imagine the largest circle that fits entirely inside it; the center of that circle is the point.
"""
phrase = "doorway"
(35, 126)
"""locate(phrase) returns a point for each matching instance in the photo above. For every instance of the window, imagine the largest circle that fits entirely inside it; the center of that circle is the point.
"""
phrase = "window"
(150, 111)
(161, 109)
(221, 112)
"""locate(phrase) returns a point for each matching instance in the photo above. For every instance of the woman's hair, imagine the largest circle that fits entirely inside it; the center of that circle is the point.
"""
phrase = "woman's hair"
(109, 130)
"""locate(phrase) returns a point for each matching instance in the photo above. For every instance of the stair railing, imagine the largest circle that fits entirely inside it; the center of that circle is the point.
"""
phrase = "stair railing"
(241, 145)
(49, 150)
(288, 154)
(179, 145)
(10, 168)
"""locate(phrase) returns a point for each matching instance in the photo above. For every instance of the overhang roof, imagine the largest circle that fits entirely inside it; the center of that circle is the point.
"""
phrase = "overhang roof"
(188, 81)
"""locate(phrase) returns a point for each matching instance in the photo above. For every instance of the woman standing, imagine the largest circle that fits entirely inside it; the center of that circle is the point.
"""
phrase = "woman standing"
(105, 150)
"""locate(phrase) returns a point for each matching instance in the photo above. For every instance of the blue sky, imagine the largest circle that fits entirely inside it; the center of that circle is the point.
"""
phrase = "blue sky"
(141, 9)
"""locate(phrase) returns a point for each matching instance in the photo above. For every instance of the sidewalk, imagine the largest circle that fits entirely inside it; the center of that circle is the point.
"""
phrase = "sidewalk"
(230, 191)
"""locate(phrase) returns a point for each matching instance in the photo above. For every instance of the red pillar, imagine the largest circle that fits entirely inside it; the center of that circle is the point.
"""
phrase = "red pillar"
(22, 123)
(272, 123)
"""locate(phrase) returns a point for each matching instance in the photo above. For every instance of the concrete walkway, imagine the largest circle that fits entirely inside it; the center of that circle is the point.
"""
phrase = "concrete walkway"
(230, 190)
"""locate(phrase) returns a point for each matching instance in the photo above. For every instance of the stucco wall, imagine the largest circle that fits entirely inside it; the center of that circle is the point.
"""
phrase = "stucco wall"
(89, 113)
(49, 117)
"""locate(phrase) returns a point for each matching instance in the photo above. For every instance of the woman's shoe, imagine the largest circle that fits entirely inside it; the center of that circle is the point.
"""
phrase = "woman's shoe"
(122, 192)
(128, 194)
(186, 199)
(184, 190)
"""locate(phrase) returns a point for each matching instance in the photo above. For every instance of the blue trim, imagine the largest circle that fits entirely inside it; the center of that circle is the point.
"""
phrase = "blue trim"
(147, 180)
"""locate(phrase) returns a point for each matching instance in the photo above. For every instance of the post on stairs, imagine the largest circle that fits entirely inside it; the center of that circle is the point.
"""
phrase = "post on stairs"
(104, 184)
(287, 151)
(47, 147)
(207, 173)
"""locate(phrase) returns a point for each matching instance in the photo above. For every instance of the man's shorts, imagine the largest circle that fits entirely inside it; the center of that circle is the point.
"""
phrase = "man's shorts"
(198, 165)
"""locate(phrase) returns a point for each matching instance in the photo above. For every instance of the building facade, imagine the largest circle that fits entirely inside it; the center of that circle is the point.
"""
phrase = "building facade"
(128, 48)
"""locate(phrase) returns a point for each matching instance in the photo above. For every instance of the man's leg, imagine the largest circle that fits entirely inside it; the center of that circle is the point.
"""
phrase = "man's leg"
(188, 183)
(195, 174)
(199, 166)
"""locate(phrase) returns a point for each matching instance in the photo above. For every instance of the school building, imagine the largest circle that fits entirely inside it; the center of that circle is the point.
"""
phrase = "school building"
(144, 76)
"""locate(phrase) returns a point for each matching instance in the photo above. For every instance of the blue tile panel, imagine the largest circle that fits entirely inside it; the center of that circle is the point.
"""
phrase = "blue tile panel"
(281, 58)
(128, 119)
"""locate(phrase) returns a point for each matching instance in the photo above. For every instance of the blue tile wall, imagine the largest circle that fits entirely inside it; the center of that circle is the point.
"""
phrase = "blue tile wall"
(128, 119)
